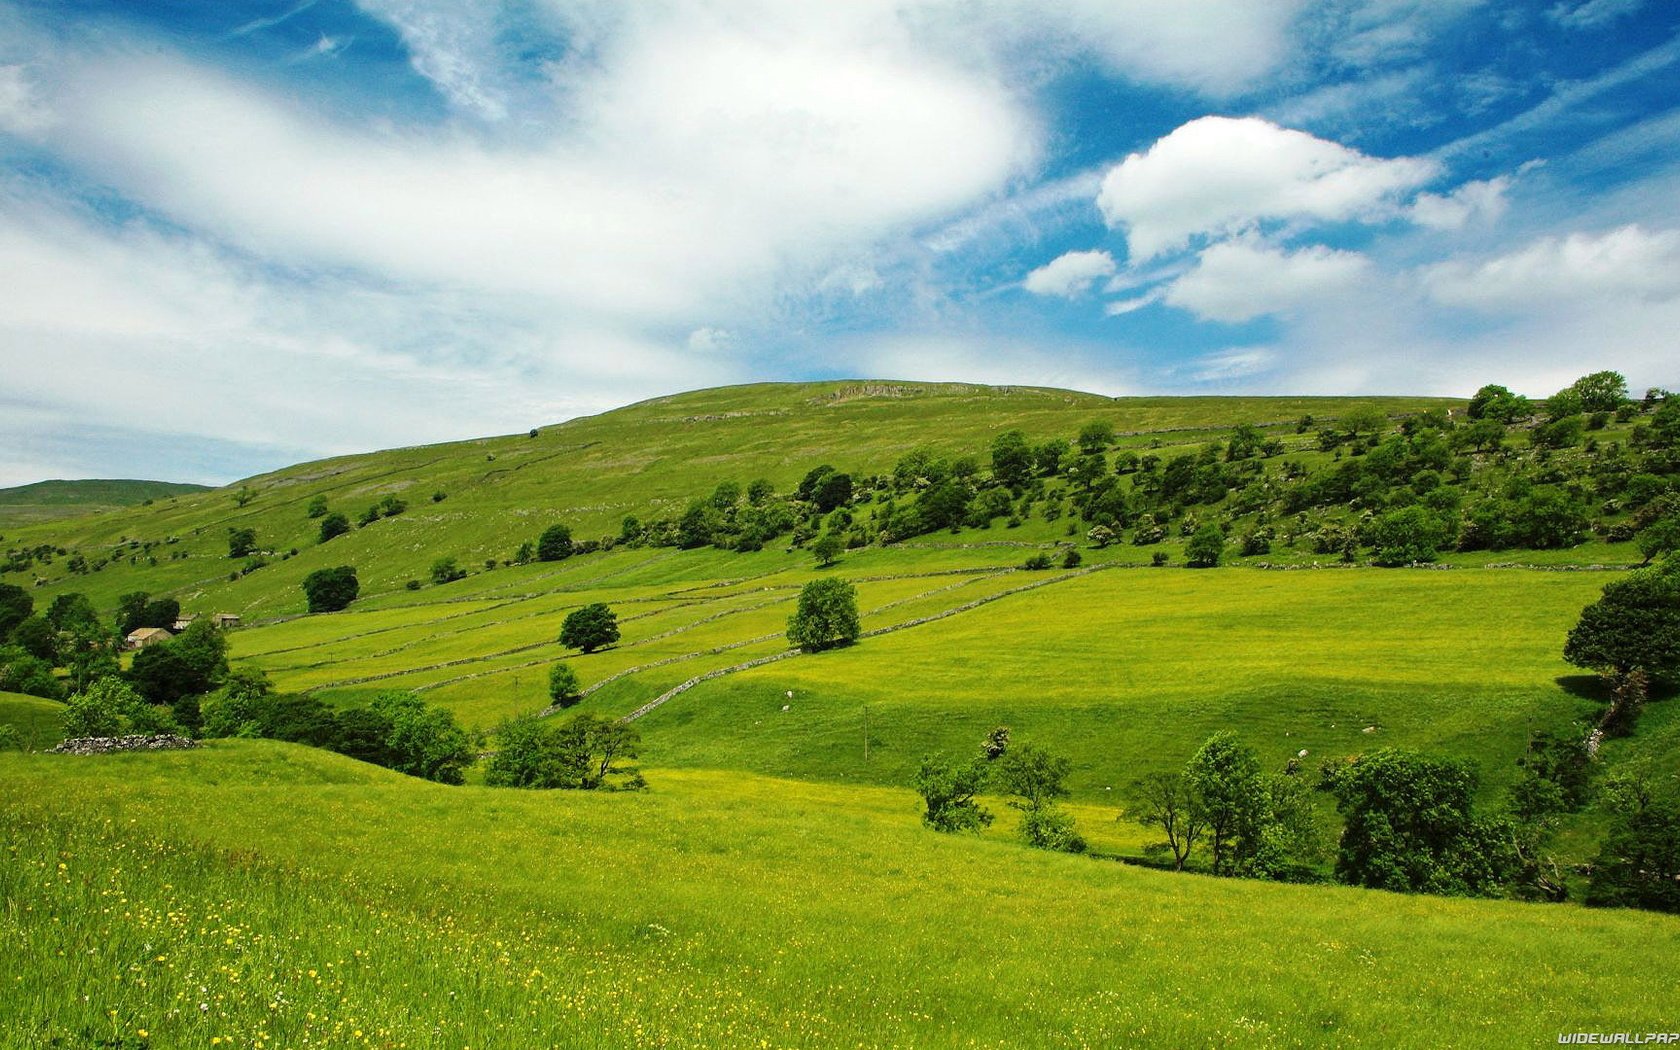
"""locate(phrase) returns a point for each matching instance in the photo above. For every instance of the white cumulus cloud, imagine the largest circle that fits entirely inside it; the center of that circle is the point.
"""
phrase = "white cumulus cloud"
(1241, 280)
(1219, 176)
(1470, 203)
(1069, 275)
(1628, 263)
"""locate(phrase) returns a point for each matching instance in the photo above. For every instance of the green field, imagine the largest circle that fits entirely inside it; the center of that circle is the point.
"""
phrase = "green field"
(716, 910)
(775, 886)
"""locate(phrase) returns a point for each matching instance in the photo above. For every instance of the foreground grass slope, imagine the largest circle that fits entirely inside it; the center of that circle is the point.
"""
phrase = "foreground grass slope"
(648, 459)
(266, 895)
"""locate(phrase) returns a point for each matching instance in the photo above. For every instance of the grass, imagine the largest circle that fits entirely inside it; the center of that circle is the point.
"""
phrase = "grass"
(285, 891)
(646, 460)
(37, 722)
(52, 500)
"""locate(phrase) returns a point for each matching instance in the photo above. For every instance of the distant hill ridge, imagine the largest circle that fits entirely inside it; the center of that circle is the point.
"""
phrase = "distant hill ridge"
(47, 500)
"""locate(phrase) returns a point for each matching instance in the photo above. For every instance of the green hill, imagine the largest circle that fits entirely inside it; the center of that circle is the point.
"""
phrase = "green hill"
(646, 460)
(776, 885)
(52, 500)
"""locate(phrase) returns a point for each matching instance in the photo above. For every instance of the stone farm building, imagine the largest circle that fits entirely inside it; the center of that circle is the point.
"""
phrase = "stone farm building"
(141, 637)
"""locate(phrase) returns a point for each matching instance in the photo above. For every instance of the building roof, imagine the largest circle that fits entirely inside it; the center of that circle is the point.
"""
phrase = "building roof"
(148, 632)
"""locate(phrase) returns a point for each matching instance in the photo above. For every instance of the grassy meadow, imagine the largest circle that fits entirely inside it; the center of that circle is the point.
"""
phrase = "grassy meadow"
(775, 886)
(260, 894)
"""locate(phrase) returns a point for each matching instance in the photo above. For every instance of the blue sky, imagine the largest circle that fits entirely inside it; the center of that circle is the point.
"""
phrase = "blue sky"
(237, 235)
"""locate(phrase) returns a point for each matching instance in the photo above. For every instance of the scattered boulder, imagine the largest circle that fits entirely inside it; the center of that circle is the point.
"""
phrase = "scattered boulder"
(105, 745)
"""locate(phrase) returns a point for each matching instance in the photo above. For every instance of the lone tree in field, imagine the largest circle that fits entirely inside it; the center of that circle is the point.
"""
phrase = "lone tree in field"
(555, 544)
(827, 549)
(948, 789)
(827, 616)
(241, 542)
(563, 685)
(330, 590)
(589, 628)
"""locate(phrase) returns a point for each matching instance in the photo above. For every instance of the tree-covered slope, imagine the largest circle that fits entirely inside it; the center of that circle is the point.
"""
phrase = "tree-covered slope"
(647, 460)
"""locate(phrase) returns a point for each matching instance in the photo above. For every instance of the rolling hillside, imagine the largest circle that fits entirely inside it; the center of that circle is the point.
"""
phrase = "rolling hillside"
(775, 886)
(644, 460)
(52, 500)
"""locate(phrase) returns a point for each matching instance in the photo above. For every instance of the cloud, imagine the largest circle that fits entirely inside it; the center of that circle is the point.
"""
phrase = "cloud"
(1552, 273)
(21, 111)
(702, 172)
(1593, 13)
(1069, 275)
(710, 340)
(1241, 280)
(1482, 202)
(1219, 176)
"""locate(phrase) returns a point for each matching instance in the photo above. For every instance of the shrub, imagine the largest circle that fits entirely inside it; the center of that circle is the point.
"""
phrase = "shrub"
(563, 685)
(332, 525)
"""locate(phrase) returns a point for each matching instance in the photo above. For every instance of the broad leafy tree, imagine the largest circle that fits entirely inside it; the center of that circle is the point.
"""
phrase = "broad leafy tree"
(1634, 626)
(592, 627)
(564, 688)
(555, 544)
(826, 617)
(1411, 826)
(334, 524)
(329, 590)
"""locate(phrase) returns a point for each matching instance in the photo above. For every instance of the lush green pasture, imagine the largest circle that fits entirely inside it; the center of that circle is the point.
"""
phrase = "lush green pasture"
(1127, 671)
(38, 723)
(263, 894)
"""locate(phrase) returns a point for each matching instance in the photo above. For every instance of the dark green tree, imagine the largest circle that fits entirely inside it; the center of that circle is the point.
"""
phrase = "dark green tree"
(1406, 536)
(1634, 626)
(426, 740)
(15, 607)
(1410, 826)
(242, 542)
(1499, 404)
(317, 506)
(1639, 864)
(333, 524)
(329, 590)
(1012, 459)
(564, 689)
(948, 791)
(1036, 779)
(1095, 436)
(1230, 794)
(445, 570)
(827, 549)
(589, 628)
(826, 617)
(1168, 802)
(1601, 391)
(555, 544)
(530, 754)
(1205, 548)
